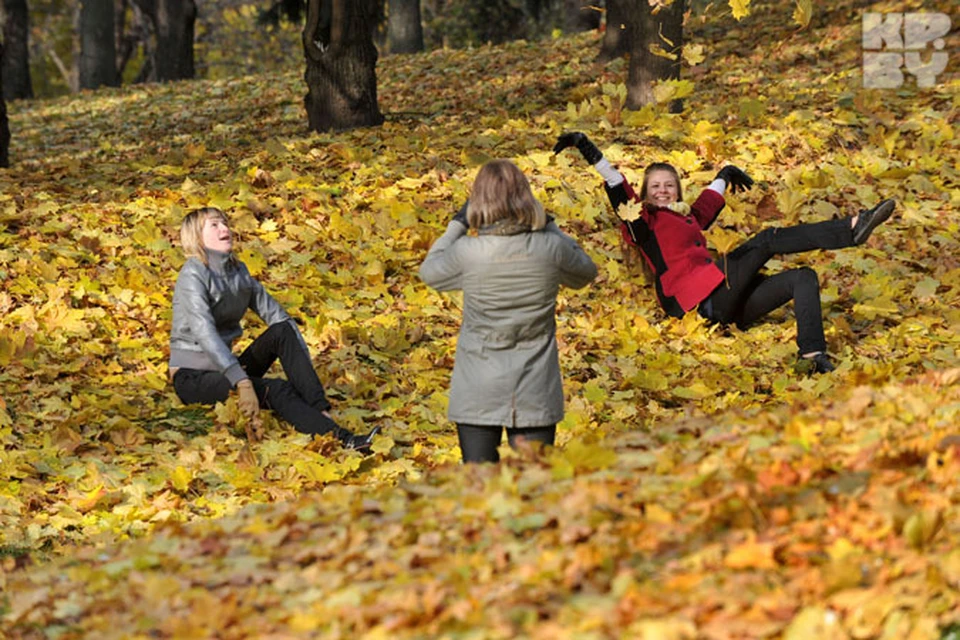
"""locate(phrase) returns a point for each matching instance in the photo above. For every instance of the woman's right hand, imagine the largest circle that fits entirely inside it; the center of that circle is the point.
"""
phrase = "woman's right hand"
(583, 144)
(247, 400)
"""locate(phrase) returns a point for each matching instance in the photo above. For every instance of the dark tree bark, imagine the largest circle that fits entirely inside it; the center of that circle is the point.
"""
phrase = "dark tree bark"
(647, 31)
(98, 49)
(580, 15)
(4, 125)
(616, 37)
(341, 70)
(172, 25)
(16, 63)
(404, 29)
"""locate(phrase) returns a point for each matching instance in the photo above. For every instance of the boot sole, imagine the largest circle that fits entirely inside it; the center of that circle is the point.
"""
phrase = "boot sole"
(879, 214)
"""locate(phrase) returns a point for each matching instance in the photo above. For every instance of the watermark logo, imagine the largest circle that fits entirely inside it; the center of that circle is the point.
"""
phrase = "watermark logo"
(896, 41)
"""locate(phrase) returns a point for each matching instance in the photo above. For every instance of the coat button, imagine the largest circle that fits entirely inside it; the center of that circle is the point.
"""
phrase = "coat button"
(697, 243)
(689, 221)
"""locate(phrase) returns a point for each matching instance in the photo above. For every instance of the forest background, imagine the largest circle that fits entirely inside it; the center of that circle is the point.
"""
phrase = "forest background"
(702, 486)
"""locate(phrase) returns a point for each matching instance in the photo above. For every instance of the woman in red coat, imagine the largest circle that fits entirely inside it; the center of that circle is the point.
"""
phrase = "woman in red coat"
(670, 236)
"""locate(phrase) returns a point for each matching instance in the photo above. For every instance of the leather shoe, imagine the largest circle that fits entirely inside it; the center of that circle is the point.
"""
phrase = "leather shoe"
(870, 219)
(361, 443)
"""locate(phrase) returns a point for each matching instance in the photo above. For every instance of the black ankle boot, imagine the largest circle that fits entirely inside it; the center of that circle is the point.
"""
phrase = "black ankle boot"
(871, 219)
(359, 442)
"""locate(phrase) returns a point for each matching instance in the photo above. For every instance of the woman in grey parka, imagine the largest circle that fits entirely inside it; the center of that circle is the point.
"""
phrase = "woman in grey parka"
(213, 292)
(507, 370)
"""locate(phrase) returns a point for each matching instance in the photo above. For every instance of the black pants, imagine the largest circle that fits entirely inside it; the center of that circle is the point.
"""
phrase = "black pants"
(300, 400)
(478, 443)
(746, 295)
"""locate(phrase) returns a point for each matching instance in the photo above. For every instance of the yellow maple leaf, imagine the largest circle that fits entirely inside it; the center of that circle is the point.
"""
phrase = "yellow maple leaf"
(630, 211)
(803, 13)
(740, 8)
(693, 54)
(751, 555)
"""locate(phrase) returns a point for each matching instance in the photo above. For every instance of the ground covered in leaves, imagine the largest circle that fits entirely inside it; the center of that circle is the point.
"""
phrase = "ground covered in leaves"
(703, 486)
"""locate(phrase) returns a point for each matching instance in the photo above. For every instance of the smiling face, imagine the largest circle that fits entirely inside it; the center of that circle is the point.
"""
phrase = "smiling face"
(216, 234)
(662, 188)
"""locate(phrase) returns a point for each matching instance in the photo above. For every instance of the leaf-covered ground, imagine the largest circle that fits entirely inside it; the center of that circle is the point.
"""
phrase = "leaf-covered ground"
(703, 487)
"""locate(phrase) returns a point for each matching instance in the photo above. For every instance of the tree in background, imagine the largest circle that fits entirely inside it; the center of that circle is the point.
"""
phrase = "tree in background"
(615, 41)
(170, 52)
(341, 73)
(655, 36)
(581, 15)
(404, 29)
(4, 125)
(16, 64)
(98, 49)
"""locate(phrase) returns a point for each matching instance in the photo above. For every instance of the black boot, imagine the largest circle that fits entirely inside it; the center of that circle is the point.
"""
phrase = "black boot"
(360, 443)
(870, 219)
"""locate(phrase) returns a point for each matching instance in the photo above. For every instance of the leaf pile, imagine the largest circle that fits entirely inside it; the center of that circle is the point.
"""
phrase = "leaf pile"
(703, 486)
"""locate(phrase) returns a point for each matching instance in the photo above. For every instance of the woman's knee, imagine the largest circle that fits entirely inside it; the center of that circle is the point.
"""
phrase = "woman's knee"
(281, 330)
(807, 277)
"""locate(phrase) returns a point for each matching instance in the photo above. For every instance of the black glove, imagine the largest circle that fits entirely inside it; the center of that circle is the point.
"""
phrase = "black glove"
(461, 216)
(735, 177)
(576, 139)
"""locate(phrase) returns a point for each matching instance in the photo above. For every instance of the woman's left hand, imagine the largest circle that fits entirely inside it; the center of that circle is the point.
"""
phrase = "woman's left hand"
(735, 177)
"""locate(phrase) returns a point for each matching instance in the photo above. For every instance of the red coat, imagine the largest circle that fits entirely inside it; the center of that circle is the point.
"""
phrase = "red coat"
(674, 247)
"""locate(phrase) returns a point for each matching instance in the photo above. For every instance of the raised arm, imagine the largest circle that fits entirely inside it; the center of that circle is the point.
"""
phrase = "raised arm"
(441, 269)
(618, 190)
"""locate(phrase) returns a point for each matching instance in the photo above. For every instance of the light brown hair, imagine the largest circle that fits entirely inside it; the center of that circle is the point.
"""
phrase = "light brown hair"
(191, 232)
(500, 192)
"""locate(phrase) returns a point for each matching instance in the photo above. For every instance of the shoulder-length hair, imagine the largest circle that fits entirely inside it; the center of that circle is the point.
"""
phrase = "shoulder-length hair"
(660, 166)
(191, 231)
(500, 192)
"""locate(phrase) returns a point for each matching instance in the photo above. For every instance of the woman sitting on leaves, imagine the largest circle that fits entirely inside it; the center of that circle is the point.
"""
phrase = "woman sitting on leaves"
(669, 234)
(213, 291)
(507, 369)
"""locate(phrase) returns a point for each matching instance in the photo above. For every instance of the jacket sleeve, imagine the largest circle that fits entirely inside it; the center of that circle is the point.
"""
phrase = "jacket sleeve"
(707, 207)
(264, 304)
(269, 310)
(191, 292)
(441, 269)
(576, 267)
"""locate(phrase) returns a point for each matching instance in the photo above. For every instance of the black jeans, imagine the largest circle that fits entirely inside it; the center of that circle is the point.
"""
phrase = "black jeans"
(300, 400)
(478, 443)
(746, 295)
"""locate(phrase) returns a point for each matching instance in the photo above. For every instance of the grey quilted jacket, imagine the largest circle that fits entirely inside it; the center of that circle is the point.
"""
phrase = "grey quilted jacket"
(507, 369)
(208, 304)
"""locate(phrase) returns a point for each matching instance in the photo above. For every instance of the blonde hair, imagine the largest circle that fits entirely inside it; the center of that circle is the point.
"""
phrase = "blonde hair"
(191, 231)
(501, 191)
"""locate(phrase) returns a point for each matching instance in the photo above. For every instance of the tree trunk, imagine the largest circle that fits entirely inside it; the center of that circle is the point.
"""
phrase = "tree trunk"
(98, 50)
(662, 31)
(171, 54)
(616, 37)
(404, 27)
(16, 63)
(4, 125)
(174, 21)
(341, 70)
(580, 15)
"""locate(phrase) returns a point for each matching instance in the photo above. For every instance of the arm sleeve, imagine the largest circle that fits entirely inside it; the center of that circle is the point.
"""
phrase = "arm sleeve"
(196, 300)
(719, 185)
(441, 269)
(269, 310)
(577, 269)
(707, 207)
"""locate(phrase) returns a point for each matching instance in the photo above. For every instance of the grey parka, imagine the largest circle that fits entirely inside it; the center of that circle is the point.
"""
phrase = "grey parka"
(507, 371)
(208, 304)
